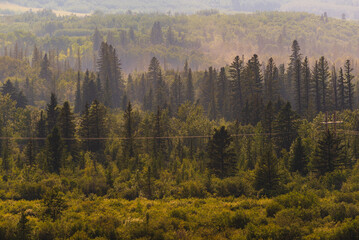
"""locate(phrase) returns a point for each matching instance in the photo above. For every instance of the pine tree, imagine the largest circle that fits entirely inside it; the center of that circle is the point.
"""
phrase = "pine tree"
(306, 76)
(349, 86)
(158, 142)
(335, 88)
(45, 72)
(299, 158)
(268, 120)
(221, 154)
(329, 153)
(323, 69)
(294, 70)
(156, 34)
(236, 87)
(267, 177)
(128, 147)
(285, 127)
(30, 153)
(130, 88)
(176, 93)
(222, 94)
(341, 90)
(190, 87)
(78, 98)
(67, 126)
(316, 81)
(97, 126)
(271, 87)
(23, 229)
(41, 130)
(54, 147)
(52, 113)
(85, 128)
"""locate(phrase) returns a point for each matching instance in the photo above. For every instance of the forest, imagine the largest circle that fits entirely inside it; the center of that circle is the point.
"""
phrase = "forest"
(259, 147)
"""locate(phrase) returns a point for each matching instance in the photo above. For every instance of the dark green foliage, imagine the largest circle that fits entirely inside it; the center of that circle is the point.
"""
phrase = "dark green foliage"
(23, 228)
(78, 97)
(54, 147)
(285, 127)
(267, 177)
(222, 157)
(329, 153)
(299, 157)
(67, 126)
(52, 113)
(349, 86)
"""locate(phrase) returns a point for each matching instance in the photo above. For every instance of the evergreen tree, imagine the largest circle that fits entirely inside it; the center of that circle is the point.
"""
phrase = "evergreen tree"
(97, 126)
(221, 154)
(190, 87)
(349, 86)
(67, 126)
(158, 142)
(176, 93)
(341, 90)
(267, 177)
(45, 72)
(294, 72)
(52, 113)
(323, 69)
(222, 94)
(85, 128)
(23, 229)
(335, 88)
(54, 147)
(130, 88)
(236, 86)
(41, 129)
(316, 81)
(271, 88)
(78, 98)
(329, 153)
(268, 120)
(156, 34)
(285, 127)
(299, 158)
(306, 76)
(30, 153)
(128, 147)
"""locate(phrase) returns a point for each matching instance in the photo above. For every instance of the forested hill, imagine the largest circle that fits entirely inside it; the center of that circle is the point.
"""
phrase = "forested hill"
(335, 8)
(203, 40)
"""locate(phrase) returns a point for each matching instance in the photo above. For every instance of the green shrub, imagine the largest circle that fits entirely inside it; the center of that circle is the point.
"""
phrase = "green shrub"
(179, 214)
(239, 220)
(298, 200)
(273, 208)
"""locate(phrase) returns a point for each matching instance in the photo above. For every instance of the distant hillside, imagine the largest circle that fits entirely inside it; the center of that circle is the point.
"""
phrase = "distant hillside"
(334, 8)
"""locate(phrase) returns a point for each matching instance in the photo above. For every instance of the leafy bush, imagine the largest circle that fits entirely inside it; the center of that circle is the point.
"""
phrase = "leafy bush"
(273, 208)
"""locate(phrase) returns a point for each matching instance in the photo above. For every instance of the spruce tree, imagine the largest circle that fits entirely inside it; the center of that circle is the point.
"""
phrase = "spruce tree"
(23, 229)
(54, 147)
(45, 72)
(222, 160)
(324, 75)
(222, 94)
(67, 126)
(329, 153)
(236, 87)
(78, 98)
(316, 80)
(298, 161)
(306, 76)
(267, 177)
(341, 90)
(52, 113)
(271, 87)
(190, 87)
(349, 86)
(128, 147)
(335, 88)
(285, 127)
(294, 72)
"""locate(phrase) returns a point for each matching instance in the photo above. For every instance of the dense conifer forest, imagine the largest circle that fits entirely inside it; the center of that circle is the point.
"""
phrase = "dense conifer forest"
(144, 126)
